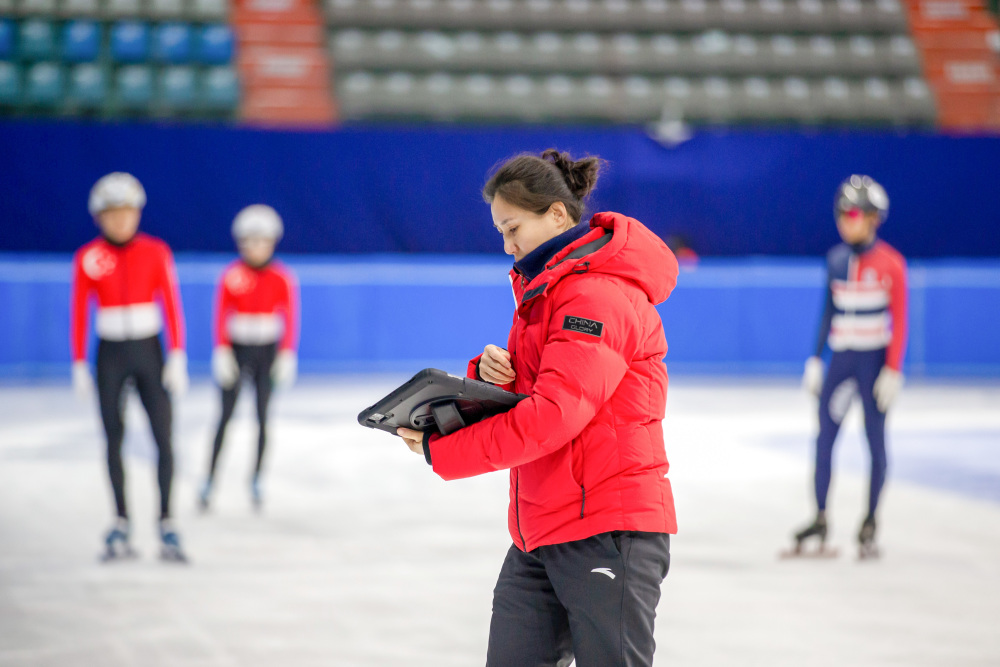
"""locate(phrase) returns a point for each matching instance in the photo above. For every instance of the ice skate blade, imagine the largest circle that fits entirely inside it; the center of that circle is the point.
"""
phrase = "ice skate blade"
(824, 553)
(111, 556)
(869, 554)
(173, 556)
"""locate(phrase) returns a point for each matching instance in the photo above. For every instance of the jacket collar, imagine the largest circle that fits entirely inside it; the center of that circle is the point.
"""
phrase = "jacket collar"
(532, 264)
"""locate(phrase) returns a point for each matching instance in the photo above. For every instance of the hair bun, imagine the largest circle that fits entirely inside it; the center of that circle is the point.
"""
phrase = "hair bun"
(580, 175)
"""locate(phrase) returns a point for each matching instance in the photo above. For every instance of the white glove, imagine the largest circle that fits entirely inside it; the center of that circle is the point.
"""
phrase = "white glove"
(812, 378)
(285, 368)
(83, 381)
(175, 372)
(225, 368)
(887, 386)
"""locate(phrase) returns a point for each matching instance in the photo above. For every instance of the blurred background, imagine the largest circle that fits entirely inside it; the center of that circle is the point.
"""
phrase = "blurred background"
(370, 125)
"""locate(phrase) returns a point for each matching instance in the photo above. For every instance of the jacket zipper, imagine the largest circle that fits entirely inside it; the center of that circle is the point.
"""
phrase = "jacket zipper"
(517, 510)
(583, 502)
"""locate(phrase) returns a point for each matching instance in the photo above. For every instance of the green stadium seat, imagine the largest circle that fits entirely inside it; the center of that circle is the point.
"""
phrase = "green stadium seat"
(44, 85)
(88, 86)
(37, 40)
(123, 9)
(220, 89)
(79, 8)
(178, 90)
(10, 85)
(134, 87)
(37, 7)
(166, 10)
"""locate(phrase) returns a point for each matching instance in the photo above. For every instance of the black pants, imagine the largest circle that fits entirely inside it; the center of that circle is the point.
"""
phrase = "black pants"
(255, 361)
(593, 599)
(142, 362)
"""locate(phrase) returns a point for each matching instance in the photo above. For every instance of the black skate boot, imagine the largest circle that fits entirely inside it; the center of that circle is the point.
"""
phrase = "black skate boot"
(170, 543)
(818, 530)
(866, 540)
(116, 544)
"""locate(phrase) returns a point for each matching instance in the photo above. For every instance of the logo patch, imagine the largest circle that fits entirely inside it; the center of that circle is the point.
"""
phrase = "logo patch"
(606, 571)
(583, 325)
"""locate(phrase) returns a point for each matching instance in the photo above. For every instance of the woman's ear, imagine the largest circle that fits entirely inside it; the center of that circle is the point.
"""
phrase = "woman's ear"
(560, 215)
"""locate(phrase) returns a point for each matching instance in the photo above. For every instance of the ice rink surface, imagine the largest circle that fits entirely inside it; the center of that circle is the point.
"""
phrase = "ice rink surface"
(362, 556)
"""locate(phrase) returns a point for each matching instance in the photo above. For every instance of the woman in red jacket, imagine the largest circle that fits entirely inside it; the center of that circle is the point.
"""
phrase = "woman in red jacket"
(591, 509)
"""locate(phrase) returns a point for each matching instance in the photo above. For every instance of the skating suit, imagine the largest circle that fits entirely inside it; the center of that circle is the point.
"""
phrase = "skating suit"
(135, 286)
(864, 324)
(256, 314)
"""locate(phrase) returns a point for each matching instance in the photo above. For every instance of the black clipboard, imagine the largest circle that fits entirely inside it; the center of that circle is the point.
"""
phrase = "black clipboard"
(435, 400)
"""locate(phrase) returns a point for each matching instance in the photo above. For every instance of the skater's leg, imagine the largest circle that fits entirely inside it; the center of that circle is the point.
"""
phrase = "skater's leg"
(112, 371)
(262, 379)
(229, 397)
(839, 388)
(156, 400)
(529, 625)
(609, 585)
(874, 424)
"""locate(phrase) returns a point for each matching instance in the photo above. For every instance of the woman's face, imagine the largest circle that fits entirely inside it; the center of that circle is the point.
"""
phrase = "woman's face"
(119, 224)
(523, 231)
(856, 226)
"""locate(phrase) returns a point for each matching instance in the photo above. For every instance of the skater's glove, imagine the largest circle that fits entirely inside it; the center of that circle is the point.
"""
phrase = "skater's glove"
(83, 381)
(225, 368)
(285, 369)
(812, 378)
(175, 373)
(887, 386)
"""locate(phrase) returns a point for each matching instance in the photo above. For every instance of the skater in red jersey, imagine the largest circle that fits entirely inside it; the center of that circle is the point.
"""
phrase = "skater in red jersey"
(256, 330)
(864, 324)
(131, 277)
(591, 508)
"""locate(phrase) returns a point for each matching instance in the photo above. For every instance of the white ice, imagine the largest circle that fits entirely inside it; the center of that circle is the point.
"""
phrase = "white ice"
(362, 556)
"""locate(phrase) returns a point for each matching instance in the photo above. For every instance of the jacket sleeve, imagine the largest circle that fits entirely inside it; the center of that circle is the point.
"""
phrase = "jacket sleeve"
(79, 304)
(578, 373)
(290, 311)
(171, 296)
(898, 313)
(223, 306)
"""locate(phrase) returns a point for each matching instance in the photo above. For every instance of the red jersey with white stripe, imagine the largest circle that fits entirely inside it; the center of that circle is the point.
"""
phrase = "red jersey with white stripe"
(257, 306)
(127, 280)
(866, 301)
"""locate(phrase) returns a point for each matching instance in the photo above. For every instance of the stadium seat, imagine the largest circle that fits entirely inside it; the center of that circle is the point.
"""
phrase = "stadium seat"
(6, 39)
(172, 42)
(215, 45)
(37, 7)
(209, 10)
(7, 8)
(88, 86)
(220, 89)
(10, 85)
(177, 88)
(81, 41)
(130, 42)
(134, 87)
(44, 85)
(37, 40)
(122, 9)
(79, 8)
(166, 9)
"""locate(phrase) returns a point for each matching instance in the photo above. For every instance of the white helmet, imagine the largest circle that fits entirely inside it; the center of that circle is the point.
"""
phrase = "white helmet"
(258, 220)
(114, 190)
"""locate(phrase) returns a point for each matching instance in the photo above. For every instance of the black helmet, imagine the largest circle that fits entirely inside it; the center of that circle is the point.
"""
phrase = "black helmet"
(861, 192)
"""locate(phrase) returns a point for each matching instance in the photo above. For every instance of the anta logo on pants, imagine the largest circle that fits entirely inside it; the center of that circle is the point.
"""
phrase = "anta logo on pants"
(583, 325)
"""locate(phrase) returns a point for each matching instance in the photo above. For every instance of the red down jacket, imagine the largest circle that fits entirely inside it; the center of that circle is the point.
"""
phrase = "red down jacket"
(585, 450)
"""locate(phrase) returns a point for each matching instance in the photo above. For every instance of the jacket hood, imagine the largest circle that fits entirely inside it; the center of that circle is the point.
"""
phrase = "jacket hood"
(615, 245)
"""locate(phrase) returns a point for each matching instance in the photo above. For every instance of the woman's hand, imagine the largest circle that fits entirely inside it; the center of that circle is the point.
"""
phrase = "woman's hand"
(495, 367)
(413, 439)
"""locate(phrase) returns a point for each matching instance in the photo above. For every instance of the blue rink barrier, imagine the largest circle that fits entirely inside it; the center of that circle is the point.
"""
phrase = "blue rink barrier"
(401, 313)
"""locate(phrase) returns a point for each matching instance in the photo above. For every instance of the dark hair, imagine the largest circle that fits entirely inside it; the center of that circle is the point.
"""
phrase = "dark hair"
(535, 182)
